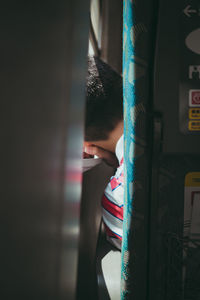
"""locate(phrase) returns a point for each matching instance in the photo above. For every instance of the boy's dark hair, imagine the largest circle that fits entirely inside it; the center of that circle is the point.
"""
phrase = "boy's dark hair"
(104, 104)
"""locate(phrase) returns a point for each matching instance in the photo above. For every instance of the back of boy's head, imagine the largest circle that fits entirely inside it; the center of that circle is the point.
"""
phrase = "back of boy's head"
(104, 104)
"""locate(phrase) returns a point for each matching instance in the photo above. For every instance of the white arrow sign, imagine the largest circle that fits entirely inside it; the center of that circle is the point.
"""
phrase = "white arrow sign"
(188, 11)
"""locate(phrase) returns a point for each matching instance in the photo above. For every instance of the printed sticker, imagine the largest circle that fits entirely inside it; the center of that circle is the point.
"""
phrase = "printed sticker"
(194, 125)
(194, 113)
(194, 98)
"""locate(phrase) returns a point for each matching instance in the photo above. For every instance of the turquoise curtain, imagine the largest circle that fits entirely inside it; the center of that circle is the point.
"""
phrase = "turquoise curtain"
(138, 53)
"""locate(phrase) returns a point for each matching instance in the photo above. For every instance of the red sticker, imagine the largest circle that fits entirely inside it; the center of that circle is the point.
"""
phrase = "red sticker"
(194, 98)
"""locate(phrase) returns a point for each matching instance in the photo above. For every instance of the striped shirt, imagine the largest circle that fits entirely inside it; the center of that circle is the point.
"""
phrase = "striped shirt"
(113, 200)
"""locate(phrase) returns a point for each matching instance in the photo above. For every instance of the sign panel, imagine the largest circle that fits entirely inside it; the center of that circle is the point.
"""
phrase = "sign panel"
(189, 90)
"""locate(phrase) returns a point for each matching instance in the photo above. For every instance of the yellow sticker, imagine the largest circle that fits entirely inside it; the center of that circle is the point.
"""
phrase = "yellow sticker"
(192, 179)
(194, 113)
(194, 125)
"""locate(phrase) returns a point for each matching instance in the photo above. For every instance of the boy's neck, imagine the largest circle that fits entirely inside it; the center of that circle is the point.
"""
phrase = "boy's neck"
(115, 135)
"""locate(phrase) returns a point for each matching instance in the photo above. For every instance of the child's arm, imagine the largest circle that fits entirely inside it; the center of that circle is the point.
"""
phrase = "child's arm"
(109, 157)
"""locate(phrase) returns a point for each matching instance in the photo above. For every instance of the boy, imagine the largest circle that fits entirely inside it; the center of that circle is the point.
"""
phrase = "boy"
(104, 138)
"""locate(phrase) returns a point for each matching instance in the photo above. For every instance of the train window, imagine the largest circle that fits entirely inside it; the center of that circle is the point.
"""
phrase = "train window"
(95, 28)
(105, 38)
